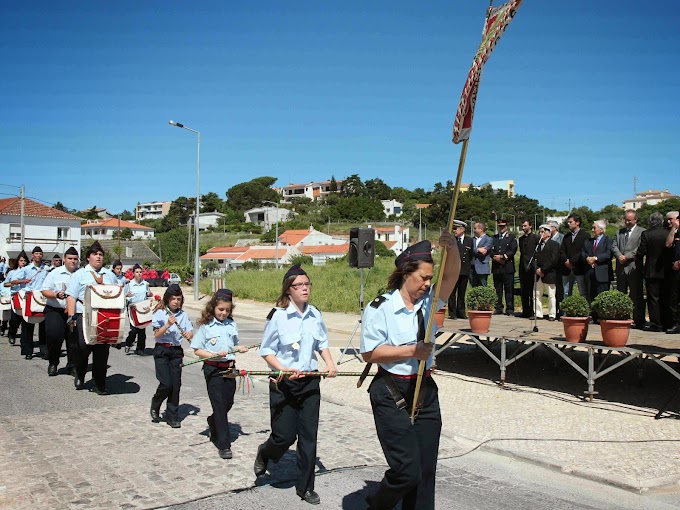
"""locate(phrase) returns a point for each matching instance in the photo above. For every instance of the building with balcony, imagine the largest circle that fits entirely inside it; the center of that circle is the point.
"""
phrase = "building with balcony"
(107, 229)
(267, 216)
(312, 190)
(392, 207)
(151, 210)
(395, 237)
(649, 197)
(53, 230)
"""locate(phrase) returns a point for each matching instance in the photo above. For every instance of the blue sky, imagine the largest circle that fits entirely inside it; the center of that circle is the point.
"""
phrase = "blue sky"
(577, 98)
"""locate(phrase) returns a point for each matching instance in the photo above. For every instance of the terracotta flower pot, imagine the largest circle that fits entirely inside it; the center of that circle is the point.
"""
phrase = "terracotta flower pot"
(480, 320)
(575, 328)
(615, 333)
(439, 316)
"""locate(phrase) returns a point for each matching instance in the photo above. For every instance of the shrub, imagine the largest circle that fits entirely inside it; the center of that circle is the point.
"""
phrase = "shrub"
(575, 306)
(481, 298)
(303, 260)
(613, 305)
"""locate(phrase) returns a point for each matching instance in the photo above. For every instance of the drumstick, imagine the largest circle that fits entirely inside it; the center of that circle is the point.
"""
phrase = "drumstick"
(170, 312)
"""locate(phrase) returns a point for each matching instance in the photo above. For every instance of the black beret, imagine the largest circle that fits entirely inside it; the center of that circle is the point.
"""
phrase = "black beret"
(174, 290)
(296, 270)
(224, 294)
(116, 262)
(135, 267)
(418, 251)
(37, 249)
(56, 256)
(94, 248)
(71, 251)
(22, 255)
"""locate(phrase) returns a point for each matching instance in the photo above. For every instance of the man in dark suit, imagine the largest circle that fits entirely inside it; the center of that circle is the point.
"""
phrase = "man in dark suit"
(528, 242)
(628, 274)
(650, 257)
(573, 266)
(457, 297)
(597, 253)
(672, 283)
(503, 267)
(547, 274)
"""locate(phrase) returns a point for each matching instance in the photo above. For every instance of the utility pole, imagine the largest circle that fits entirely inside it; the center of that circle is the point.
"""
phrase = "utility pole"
(634, 185)
(23, 211)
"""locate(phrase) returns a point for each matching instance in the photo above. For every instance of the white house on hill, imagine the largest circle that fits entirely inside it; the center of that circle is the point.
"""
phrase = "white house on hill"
(105, 229)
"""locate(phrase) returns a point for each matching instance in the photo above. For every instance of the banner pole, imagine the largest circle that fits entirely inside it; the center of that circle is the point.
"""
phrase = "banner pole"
(440, 275)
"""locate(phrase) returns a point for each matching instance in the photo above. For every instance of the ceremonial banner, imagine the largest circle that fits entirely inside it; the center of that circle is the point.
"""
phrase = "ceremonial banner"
(497, 21)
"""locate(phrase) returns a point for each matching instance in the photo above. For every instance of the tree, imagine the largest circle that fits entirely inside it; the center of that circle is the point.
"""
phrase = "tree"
(60, 207)
(251, 194)
(357, 209)
(401, 194)
(611, 213)
(644, 212)
(127, 216)
(180, 210)
(90, 214)
(377, 189)
(125, 233)
(333, 186)
(353, 187)
(211, 202)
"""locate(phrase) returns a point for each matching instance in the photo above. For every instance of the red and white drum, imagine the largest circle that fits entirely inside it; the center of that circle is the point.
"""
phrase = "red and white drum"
(17, 303)
(30, 304)
(6, 307)
(103, 314)
(141, 313)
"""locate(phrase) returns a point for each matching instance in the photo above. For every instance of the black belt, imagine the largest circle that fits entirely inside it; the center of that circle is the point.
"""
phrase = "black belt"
(220, 364)
(167, 344)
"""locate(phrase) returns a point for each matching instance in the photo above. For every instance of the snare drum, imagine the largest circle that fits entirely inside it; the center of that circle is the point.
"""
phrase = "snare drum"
(103, 316)
(141, 313)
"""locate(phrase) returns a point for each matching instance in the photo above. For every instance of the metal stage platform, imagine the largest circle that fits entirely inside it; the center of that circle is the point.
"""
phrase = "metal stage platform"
(506, 343)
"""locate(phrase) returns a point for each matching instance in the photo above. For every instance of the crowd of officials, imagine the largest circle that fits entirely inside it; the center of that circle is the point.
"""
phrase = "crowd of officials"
(643, 263)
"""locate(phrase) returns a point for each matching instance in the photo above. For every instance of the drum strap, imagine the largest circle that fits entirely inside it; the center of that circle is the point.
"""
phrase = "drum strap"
(97, 278)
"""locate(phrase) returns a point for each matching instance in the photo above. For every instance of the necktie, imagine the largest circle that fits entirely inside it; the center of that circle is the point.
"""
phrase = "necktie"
(625, 239)
(595, 245)
(541, 246)
(421, 325)
(460, 240)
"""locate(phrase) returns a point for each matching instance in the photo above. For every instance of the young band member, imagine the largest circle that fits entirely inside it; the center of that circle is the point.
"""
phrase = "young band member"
(14, 285)
(136, 291)
(117, 268)
(393, 330)
(32, 275)
(56, 330)
(170, 325)
(93, 273)
(293, 334)
(217, 334)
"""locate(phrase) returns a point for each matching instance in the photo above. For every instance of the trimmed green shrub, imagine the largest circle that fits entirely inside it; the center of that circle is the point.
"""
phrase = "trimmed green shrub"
(613, 305)
(481, 298)
(575, 306)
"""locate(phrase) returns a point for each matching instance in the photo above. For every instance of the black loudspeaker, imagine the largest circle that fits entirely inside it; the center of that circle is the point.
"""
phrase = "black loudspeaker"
(361, 247)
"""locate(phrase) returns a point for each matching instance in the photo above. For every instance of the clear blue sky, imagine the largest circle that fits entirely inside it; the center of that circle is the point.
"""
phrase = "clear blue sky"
(577, 98)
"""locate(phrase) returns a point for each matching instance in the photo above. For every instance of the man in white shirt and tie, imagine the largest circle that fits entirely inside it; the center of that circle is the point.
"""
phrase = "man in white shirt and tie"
(628, 275)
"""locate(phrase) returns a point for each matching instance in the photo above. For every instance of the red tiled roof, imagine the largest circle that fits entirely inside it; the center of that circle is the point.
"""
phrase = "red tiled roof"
(228, 249)
(114, 223)
(384, 229)
(260, 253)
(326, 248)
(32, 208)
(293, 237)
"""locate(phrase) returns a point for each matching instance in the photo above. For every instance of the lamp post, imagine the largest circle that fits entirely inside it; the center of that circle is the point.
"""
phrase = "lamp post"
(276, 251)
(420, 208)
(197, 268)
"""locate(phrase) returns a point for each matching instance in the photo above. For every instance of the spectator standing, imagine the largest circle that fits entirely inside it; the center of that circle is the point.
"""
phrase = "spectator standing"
(597, 253)
(557, 236)
(503, 267)
(481, 255)
(573, 266)
(528, 242)
(650, 257)
(547, 274)
(465, 244)
(673, 282)
(628, 275)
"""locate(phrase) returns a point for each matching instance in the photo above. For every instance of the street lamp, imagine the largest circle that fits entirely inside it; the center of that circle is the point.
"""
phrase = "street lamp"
(276, 252)
(420, 208)
(197, 268)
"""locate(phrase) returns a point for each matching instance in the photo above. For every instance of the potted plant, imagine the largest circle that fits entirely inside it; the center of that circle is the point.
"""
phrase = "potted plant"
(480, 302)
(439, 317)
(575, 318)
(614, 310)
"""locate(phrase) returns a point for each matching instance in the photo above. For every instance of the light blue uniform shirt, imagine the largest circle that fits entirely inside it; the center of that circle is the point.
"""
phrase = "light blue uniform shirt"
(139, 291)
(120, 279)
(57, 280)
(5, 291)
(84, 277)
(172, 335)
(35, 273)
(14, 274)
(223, 334)
(394, 324)
(295, 339)
(4, 267)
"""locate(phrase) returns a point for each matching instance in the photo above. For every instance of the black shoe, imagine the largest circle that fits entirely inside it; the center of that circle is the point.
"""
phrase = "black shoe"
(28, 356)
(260, 466)
(51, 370)
(226, 454)
(78, 383)
(673, 331)
(498, 312)
(117, 346)
(509, 314)
(175, 424)
(100, 391)
(12, 341)
(463, 317)
(155, 416)
(652, 328)
(140, 352)
(127, 349)
(453, 318)
(310, 497)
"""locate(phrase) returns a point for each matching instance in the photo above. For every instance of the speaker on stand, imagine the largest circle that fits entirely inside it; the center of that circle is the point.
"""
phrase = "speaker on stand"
(362, 256)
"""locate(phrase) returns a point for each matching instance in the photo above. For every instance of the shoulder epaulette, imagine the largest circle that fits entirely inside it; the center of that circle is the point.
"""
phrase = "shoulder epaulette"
(271, 314)
(378, 301)
(316, 309)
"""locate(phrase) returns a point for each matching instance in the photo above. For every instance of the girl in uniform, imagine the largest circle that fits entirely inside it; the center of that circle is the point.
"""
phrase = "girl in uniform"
(15, 320)
(293, 334)
(170, 326)
(393, 330)
(217, 334)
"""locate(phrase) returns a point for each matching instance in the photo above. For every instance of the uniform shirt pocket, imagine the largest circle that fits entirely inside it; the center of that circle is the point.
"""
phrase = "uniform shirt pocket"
(288, 339)
(403, 337)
